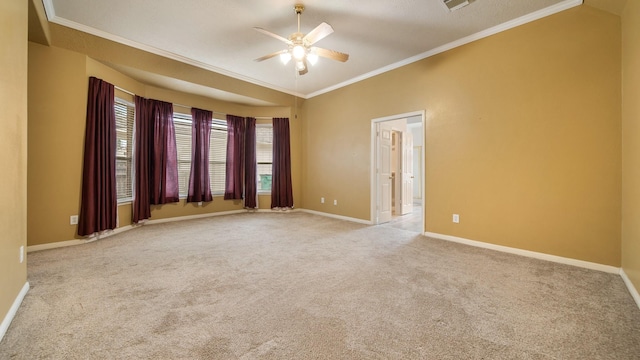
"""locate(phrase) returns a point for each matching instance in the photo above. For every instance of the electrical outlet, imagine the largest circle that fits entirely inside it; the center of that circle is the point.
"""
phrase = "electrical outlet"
(73, 220)
(335, 202)
(456, 218)
(321, 200)
(21, 254)
(199, 203)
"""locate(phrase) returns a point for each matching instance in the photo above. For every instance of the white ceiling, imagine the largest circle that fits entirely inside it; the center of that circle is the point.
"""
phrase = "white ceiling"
(218, 35)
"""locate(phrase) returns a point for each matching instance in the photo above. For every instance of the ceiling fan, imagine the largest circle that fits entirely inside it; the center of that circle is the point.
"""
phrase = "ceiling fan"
(300, 47)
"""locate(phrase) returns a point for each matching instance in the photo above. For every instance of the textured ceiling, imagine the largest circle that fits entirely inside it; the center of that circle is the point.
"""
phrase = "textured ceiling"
(218, 35)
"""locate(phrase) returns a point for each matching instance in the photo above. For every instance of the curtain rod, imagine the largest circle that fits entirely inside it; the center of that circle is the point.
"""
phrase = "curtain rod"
(123, 90)
(224, 115)
(189, 107)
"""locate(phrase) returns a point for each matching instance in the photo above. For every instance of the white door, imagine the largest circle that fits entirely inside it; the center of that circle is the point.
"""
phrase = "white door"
(384, 173)
(406, 172)
(417, 171)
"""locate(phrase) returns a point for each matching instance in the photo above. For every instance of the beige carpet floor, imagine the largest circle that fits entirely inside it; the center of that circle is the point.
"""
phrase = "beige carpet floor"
(300, 286)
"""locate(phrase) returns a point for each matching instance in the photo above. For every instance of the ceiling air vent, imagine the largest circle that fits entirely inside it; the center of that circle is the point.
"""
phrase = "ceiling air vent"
(453, 5)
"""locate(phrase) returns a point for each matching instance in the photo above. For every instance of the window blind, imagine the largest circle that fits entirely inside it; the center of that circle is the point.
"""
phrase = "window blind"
(218, 156)
(125, 115)
(217, 153)
(264, 156)
(182, 126)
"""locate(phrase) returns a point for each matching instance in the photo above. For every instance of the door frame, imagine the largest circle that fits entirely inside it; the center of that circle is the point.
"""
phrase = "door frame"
(406, 154)
(374, 160)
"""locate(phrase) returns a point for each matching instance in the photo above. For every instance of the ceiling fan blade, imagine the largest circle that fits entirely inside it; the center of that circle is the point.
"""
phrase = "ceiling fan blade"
(271, 55)
(330, 54)
(269, 33)
(320, 32)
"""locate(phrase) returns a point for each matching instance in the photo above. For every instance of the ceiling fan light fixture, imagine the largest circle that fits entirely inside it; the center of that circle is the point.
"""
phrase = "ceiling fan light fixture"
(312, 58)
(285, 58)
(298, 52)
(300, 46)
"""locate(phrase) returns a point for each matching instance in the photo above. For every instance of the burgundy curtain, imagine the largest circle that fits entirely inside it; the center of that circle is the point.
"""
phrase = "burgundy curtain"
(250, 178)
(156, 157)
(99, 206)
(143, 131)
(164, 165)
(235, 158)
(199, 182)
(281, 189)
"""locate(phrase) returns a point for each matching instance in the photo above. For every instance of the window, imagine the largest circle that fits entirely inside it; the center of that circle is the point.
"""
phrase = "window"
(182, 126)
(124, 149)
(264, 156)
(218, 156)
(217, 153)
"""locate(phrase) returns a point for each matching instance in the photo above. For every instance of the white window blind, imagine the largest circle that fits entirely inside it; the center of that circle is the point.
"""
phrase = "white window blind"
(125, 115)
(182, 126)
(264, 156)
(217, 153)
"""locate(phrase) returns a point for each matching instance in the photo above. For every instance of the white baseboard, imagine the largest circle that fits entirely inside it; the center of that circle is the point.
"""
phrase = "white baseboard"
(527, 253)
(88, 239)
(108, 233)
(279, 211)
(54, 245)
(632, 289)
(191, 217)
(4, 326)
(340, 217)
(553, 258)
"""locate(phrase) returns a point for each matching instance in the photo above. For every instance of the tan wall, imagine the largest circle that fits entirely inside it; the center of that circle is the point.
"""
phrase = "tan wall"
(57, 108)
(631, 142)
(523, 137)
(58, 81)
(13, 150)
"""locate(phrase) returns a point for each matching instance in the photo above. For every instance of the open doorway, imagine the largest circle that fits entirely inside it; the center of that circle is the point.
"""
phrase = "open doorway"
(397, 171)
